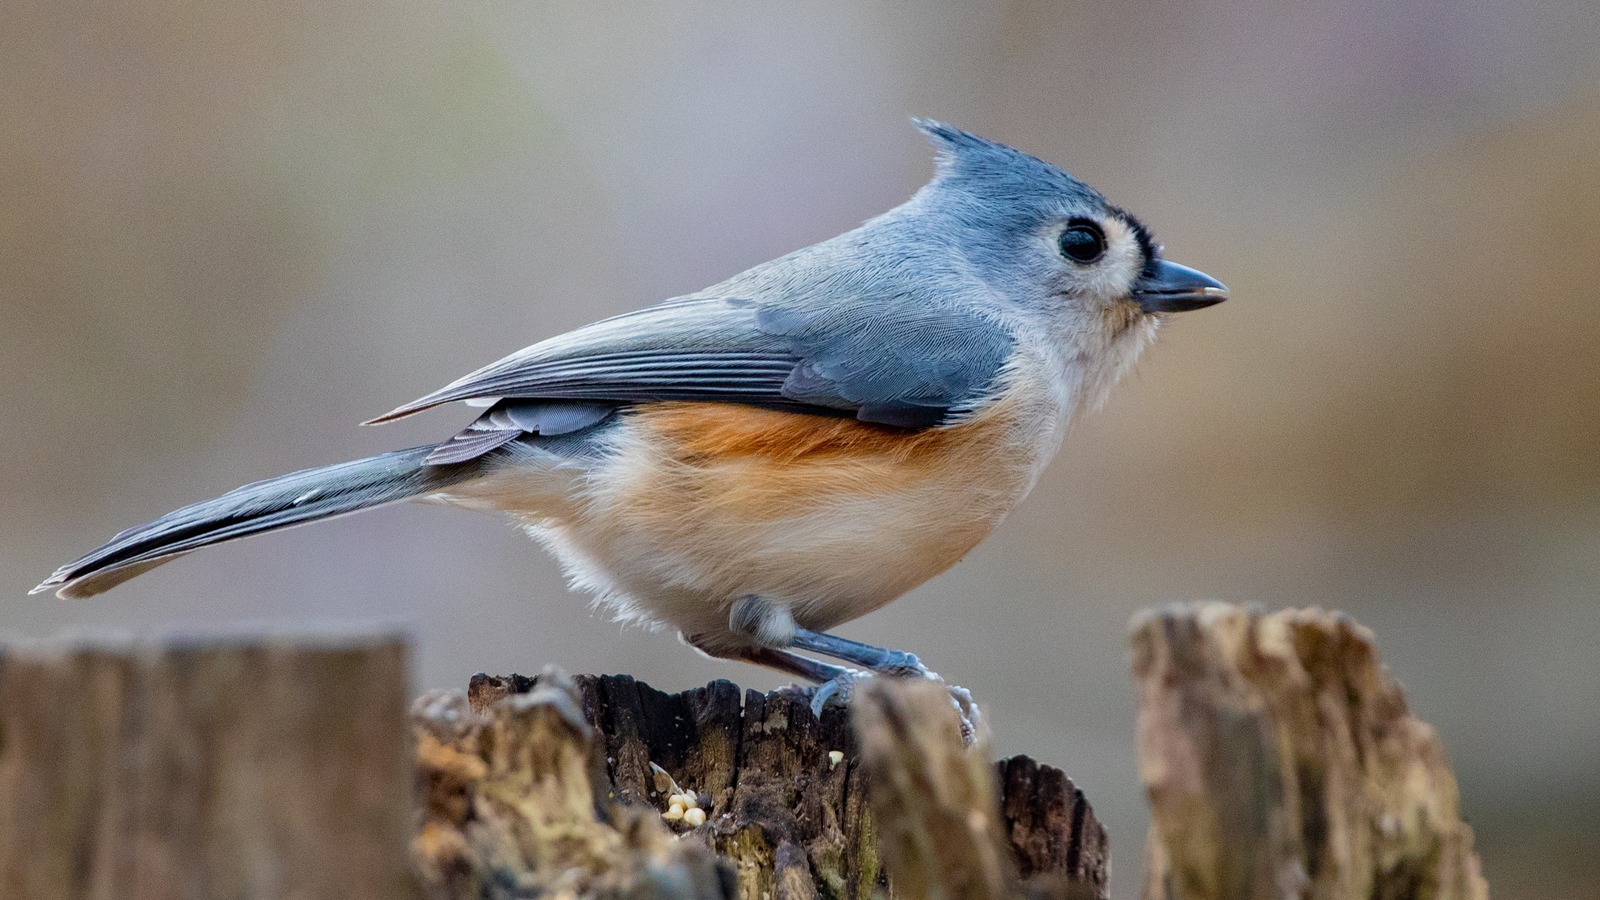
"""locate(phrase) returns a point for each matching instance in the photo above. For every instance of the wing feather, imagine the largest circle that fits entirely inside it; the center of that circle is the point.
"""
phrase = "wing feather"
(900, 361)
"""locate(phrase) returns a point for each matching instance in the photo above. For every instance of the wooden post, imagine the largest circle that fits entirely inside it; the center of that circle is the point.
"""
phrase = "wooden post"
(940, 831)
(1278, 754)
(792, 806)
(1281, 761)
(239, 768)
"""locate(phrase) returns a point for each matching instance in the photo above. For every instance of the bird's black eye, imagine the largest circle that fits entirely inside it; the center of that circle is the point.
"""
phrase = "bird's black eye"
(1082, 242)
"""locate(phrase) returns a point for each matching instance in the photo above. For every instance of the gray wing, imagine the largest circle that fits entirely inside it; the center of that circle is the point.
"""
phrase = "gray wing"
(899, 361)
(509, 420)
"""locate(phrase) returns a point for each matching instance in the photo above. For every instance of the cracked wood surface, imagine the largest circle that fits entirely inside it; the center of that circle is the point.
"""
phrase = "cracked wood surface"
(789, 813)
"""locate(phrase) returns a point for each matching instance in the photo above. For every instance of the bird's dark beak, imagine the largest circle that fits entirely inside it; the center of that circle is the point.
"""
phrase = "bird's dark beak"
(1169, 287)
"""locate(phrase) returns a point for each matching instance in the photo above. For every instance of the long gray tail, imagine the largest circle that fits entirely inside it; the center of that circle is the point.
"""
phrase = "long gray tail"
(281, 502)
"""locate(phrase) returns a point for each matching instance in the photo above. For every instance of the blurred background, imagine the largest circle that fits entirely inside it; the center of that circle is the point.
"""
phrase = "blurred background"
(229, 232)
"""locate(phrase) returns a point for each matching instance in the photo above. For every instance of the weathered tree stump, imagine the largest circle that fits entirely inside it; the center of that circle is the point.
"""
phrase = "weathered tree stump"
(1280, 761)
(558, 785)
(213, 769)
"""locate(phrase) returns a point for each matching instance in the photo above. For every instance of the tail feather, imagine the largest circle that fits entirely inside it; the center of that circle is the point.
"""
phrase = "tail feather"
(281, 502)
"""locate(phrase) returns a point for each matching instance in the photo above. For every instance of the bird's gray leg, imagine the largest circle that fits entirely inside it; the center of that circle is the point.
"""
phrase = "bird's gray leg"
(827, 681)
(882, 661)
(793, 664)
(867, 656)
(773, 629)
(771, 625)
(770, 628)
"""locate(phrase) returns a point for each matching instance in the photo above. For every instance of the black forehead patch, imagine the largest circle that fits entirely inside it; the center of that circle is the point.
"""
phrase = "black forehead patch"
(1149, 248)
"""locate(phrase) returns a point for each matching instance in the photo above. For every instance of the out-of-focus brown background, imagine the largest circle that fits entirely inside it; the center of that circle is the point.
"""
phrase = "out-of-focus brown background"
(228, 233)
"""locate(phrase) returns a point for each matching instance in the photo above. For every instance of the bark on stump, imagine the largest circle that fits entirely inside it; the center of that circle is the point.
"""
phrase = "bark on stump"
(1280, 761)
(550, 785)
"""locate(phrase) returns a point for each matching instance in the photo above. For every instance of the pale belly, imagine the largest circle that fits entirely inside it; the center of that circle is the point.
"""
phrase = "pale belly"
(697, 505)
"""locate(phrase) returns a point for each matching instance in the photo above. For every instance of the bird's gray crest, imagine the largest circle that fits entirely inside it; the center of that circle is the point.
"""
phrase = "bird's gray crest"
(968, 160)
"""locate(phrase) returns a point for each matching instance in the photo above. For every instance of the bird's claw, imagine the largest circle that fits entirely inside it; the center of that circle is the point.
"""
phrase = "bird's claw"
(967, 710)
(837, 692)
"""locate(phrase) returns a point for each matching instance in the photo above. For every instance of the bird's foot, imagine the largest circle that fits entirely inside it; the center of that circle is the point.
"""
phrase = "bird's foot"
(837, 692)
(900, 664)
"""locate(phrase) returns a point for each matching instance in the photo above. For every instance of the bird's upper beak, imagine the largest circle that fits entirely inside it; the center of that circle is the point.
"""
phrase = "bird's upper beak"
(1169, 287)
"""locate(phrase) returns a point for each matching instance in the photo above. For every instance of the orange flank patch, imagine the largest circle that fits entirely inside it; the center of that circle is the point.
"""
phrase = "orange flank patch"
(714, 432)
(736, 463)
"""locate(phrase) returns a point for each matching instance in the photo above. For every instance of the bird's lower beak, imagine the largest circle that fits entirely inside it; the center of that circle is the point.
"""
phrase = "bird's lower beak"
(1169, 287)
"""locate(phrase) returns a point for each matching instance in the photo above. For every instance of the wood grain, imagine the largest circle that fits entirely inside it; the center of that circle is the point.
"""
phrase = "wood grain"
(1281, 760)
(222, 768)
(798, 807)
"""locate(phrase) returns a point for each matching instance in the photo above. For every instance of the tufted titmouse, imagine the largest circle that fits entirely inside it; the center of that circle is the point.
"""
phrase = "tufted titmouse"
(756, 463)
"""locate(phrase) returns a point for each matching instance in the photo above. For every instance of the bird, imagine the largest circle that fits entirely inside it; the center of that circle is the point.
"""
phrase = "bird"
(757, 463)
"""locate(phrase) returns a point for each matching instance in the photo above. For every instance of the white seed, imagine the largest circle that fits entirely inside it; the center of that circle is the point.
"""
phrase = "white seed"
(835, 757)
(674, 812)
(694, 818)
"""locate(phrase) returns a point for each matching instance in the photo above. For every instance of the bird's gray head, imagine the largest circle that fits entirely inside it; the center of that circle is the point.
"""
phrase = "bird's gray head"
(1050, 243)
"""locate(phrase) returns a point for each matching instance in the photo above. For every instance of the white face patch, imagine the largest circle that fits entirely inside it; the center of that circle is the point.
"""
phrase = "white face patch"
(1109, 279)
(1089, 327)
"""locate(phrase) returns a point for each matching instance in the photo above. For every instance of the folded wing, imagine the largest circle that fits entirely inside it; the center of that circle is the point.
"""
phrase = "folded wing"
(895, 362)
